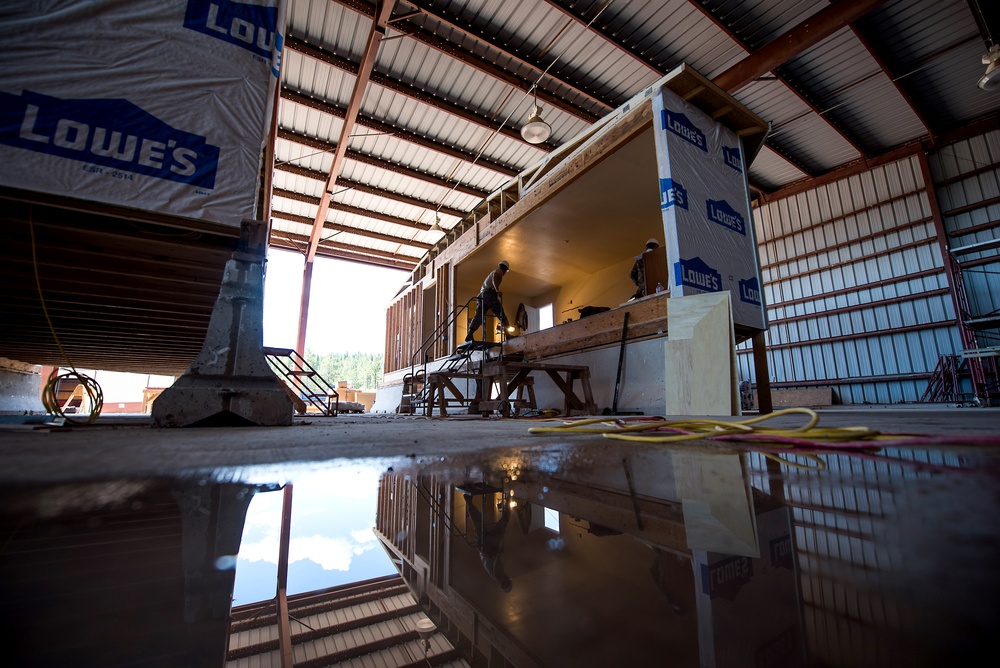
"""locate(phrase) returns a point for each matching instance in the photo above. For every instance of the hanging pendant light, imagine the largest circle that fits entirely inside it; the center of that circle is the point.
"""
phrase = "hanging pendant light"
(536, 130)
(991, 80)
(436, 227)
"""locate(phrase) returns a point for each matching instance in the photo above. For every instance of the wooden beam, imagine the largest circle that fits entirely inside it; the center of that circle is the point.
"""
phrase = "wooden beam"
(801, 37)
(647, 319)
(762, 374)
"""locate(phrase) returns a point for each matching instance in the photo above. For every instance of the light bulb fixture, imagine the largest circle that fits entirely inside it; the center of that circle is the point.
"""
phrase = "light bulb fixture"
(426, 630)
(536, 131)
(991, 79)
(436, 227)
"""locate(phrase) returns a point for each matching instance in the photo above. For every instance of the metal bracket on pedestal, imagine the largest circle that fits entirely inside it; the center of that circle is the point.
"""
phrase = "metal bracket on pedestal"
(230, 382)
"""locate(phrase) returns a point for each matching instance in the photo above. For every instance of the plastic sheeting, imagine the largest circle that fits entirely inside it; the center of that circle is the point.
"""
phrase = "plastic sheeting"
(706, 210)
(160, 105)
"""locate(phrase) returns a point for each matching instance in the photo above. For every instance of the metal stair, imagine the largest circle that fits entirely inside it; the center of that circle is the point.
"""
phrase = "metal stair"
(306, 387)
(460, 364)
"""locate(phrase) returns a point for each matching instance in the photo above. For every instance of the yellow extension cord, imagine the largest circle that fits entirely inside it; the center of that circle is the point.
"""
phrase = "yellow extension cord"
(49, 398)
(702, 428)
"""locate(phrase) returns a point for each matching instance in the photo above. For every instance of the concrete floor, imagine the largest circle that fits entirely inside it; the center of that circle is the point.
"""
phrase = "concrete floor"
(129, 447)
(907, 543)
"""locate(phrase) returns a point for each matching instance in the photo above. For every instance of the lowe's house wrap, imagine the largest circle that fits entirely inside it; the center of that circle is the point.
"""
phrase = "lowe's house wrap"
(706, 211)
(160, 105)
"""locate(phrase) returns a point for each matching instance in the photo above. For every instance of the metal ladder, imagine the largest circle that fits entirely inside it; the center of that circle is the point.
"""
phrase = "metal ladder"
(304, 384)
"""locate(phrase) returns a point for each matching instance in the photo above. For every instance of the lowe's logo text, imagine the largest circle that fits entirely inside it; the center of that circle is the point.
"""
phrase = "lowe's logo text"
(726, 578)
(731, 156)
(694, 273)
(683, 128)
(113, 133)
(720, 212)
(672, 193)
(750, 291)
(781, 552)
(250, 26)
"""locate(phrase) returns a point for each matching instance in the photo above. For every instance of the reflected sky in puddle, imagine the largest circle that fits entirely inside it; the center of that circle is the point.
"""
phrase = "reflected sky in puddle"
(594, 556)
(332, 542)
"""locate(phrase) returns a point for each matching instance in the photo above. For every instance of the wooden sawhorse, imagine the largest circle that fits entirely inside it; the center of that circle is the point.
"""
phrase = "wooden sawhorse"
(515, 377)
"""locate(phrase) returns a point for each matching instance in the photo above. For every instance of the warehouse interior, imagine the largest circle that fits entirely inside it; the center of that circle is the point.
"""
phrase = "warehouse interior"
(876, 209)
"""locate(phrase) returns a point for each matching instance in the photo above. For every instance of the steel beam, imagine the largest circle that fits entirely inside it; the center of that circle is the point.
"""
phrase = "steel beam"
(481, 64)
(780, 77)
(336, 227)
(412, 92)
(356, 156)
(284, 627)
(803, 36)
(323, 106)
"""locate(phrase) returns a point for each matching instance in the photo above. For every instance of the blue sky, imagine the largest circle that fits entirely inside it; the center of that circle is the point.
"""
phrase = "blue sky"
(332, 542)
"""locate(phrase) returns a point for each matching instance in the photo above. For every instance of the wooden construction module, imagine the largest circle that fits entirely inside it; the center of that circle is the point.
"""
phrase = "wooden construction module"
(570, 227)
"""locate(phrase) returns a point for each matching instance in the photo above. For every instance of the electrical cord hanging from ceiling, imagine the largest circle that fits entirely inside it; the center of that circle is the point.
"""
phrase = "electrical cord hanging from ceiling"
(50, 398)
(531, 89)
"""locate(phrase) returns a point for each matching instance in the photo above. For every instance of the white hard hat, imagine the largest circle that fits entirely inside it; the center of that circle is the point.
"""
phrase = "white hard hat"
(652, 242)
(504, 265)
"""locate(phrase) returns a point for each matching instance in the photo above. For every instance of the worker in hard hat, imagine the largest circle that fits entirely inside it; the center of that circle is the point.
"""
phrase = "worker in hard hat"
(489, 300)
(638, 274)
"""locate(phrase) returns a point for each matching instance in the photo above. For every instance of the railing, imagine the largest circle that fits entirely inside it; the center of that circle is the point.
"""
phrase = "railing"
(303, 383)
(410, 381)
(414, 395)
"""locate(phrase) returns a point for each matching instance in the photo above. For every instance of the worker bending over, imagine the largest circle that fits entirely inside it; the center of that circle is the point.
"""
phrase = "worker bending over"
(489, 300)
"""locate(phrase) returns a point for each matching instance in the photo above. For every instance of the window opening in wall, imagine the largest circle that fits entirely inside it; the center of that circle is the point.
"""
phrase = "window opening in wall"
(545, 317)
(552, 519)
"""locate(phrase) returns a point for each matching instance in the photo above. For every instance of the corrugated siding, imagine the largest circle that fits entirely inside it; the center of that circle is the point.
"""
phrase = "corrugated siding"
(848, 543)
(969, 195)
(384, 644)
(855, 287)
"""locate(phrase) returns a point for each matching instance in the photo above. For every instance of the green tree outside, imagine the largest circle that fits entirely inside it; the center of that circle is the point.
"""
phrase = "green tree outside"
(362, 371)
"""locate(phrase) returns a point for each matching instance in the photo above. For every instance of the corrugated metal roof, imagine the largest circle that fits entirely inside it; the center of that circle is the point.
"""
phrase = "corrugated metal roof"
(452, 71)
(370, 623)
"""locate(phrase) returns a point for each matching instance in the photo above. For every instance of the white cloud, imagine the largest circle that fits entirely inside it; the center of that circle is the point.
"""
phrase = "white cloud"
(332, 554)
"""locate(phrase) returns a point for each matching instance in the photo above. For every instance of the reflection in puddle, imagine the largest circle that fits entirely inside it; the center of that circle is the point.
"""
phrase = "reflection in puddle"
(331, 540)
(610, 556)
(708, 559)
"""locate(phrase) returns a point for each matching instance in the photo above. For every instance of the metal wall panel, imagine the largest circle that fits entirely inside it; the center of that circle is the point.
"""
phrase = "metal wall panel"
(858, 299)
(969, 194)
